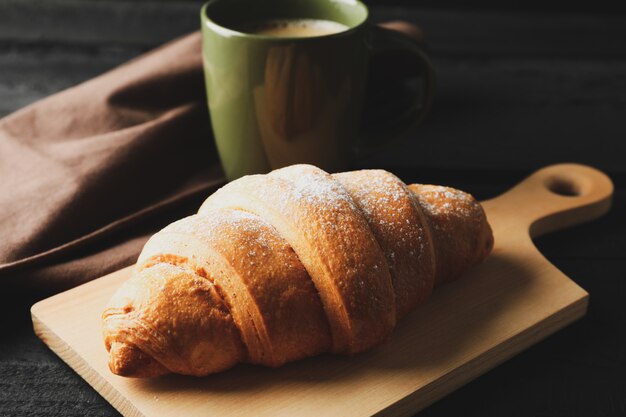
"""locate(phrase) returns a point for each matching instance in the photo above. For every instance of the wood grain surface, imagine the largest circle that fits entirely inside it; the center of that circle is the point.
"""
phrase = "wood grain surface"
(501, 307)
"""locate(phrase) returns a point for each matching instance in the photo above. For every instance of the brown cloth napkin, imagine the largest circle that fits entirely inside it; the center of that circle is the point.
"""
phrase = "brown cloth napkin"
(81, 170)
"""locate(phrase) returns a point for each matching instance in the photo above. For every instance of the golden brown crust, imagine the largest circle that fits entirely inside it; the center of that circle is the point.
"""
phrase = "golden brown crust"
(175, 316)
(269, 293)
(283, 266)
(128, 360)
(327, 231)
(461, 233)
(263, 285)
(401, 230)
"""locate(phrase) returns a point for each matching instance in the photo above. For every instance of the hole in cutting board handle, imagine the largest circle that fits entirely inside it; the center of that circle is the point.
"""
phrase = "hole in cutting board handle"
(563, 186)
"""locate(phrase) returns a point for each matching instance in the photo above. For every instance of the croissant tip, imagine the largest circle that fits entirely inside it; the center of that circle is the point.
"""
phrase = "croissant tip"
(129, 361)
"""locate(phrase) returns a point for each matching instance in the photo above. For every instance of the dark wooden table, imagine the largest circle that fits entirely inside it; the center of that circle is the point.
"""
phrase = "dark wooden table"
(517, 90)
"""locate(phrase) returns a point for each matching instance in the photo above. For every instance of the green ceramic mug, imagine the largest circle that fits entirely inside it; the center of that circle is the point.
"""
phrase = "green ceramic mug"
(275, 100)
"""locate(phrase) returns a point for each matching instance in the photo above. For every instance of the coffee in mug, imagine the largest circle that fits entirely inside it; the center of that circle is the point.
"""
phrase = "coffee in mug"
(292, 28)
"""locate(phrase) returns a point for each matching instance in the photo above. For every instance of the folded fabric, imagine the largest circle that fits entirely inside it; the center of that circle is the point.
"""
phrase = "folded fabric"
(81, 169)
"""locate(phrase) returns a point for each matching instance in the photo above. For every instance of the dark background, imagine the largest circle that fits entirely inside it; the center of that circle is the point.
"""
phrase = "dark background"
(521, 85)
(509, 5)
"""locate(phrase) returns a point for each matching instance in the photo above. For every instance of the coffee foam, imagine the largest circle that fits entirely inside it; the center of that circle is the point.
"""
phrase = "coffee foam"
(287, 28)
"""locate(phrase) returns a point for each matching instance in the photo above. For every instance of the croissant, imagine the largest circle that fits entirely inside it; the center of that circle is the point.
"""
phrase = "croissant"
(287, 265)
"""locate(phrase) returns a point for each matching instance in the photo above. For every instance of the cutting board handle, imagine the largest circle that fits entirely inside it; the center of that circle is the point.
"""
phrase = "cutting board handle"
(556, 197)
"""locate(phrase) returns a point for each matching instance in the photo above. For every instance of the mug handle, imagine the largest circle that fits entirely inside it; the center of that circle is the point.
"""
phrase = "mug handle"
(398, 41)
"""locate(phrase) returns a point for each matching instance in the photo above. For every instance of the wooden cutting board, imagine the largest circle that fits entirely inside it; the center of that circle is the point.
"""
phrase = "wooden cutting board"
(513, 300)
